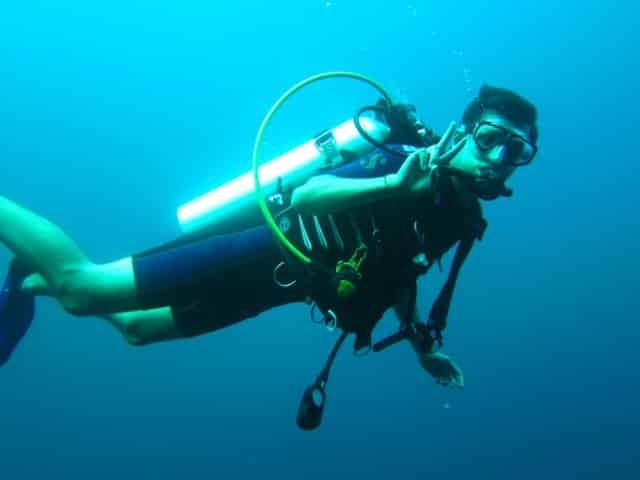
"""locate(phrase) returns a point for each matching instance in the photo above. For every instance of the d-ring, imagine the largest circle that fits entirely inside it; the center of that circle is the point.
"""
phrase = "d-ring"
(278, 282)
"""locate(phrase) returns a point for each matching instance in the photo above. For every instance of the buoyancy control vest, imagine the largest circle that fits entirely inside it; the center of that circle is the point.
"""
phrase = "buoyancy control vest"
(403, 239)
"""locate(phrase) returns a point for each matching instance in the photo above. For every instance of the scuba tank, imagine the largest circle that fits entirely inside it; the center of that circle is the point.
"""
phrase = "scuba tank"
(232, 205)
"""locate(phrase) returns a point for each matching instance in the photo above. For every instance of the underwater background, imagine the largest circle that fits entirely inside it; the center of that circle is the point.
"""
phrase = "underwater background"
(112, 114)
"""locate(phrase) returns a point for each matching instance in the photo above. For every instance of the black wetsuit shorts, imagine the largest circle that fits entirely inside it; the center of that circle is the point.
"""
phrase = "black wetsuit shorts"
(213, 282)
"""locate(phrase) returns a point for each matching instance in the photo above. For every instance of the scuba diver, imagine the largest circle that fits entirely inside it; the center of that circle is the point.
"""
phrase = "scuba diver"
(384, 219)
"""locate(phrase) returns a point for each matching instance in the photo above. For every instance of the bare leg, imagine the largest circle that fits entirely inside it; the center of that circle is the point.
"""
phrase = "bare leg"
(63, 270)
(145, 326)
(82, 287)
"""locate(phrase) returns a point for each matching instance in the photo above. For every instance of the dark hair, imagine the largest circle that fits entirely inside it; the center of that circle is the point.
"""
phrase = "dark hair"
(512, 106)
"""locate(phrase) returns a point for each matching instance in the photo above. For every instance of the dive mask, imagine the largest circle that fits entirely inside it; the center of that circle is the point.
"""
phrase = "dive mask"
(516, 150)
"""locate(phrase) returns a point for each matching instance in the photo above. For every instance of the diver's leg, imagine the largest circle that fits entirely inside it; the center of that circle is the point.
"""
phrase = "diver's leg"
(61, 269)
(211, 283)
(146, 326)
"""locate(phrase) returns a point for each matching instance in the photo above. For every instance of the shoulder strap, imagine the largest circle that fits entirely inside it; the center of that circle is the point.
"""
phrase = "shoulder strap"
(440, 309)
(476, 226)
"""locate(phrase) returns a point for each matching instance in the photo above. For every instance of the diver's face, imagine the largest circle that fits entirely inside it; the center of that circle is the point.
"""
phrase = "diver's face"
(486, 153)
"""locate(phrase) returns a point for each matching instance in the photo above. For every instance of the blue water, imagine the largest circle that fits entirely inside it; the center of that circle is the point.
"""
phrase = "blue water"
(114, 113)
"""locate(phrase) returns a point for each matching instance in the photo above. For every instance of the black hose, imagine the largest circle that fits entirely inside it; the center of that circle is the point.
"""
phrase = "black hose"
(367, 137)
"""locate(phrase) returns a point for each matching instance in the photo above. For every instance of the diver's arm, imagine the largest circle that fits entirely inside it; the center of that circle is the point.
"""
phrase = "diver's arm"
(442, 368)
(326, 194)
(403, 305)
(407, 312)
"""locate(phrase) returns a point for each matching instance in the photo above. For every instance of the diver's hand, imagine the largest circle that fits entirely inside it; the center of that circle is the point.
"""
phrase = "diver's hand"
(413, 177)
(437, 364)
(442, 369)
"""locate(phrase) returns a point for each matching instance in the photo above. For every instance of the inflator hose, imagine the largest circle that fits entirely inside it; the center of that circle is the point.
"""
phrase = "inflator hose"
(262, 203)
